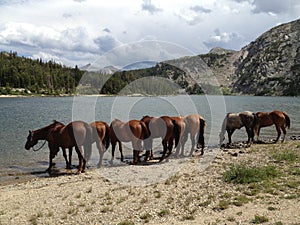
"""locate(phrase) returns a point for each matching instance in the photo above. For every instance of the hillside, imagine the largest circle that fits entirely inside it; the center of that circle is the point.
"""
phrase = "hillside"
(21, 75)
(271, 64)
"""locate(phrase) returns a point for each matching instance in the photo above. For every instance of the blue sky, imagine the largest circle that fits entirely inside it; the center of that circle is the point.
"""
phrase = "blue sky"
(78, 32)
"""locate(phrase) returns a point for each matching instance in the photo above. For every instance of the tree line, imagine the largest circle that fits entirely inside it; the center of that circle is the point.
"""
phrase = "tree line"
(21, 75)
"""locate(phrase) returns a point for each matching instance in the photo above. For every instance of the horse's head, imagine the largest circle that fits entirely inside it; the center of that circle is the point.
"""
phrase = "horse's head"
(31, 141)
(222, 137)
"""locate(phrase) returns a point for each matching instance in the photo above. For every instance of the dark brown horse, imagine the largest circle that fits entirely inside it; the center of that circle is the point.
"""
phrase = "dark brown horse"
(235, 121)
(265, 119)
(165, 128)
(133, 131)
(194, 125)
(75, 134)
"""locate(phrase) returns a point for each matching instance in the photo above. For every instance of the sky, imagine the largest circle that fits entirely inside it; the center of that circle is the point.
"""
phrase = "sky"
(79, 32)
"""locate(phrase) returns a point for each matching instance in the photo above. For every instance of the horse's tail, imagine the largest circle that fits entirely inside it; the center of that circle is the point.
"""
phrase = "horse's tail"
(145, 131)
(177, 132)
(287, 120)
(88, 142)
(106, 140)
(201, 132)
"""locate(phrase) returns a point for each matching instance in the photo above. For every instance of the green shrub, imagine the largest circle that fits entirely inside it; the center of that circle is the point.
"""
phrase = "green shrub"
(241, 174)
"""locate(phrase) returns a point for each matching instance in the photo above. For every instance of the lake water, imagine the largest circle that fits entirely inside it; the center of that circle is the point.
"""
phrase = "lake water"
(18, 115)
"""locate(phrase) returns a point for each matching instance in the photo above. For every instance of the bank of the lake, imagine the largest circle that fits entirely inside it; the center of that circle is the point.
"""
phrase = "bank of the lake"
(190, 196)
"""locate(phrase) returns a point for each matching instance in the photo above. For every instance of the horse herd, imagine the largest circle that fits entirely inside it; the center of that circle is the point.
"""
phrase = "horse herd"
(173, 131)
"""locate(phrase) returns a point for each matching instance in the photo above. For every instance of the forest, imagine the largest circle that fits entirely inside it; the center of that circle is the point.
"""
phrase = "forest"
(26, 76)
(21, 75)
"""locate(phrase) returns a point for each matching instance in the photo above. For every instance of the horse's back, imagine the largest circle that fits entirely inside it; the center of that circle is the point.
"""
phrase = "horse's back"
(99, 129)
(192, 122)
(79, 131)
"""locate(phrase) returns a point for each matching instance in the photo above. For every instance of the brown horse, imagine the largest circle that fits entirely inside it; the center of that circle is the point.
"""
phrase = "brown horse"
(265, 119)
(133, 131)
(193, 124)
(165, 128)
(234, 121)
(75, 134)
(100, 135)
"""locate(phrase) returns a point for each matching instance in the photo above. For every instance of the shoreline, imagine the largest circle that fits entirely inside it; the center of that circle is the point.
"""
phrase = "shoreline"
(187, 196)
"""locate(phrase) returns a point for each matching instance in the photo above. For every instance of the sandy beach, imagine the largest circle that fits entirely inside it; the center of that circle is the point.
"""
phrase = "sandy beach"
(189, 190)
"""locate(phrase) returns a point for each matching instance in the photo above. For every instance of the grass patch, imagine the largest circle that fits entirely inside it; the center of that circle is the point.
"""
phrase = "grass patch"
(259, 219)
(157, 194)
(287, 156)
(163, 212)
(223, 204)
(240, 200)
(241, 174)
(146, 217)
(126, 222)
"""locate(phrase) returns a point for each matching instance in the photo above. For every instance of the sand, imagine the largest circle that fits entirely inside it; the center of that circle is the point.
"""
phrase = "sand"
(188, 190)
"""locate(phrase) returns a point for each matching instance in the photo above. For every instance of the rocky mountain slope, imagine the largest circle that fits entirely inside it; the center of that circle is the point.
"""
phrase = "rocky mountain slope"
(270, 65)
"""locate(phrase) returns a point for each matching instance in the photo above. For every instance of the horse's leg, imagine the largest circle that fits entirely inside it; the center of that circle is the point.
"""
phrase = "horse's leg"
(113, 147)
(184, 139)
(100, 148)
(137, 146)
(66, 158)
(53, 150)
(121, 151)
(70, 157)
(249, 133)
(170, 146)
(284, 132)
(193, 140)
(81, 159)
(230, 132)
(278, 132)
(165, 147)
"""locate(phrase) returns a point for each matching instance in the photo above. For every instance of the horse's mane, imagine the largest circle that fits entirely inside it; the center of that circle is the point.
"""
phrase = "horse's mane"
(57, 122)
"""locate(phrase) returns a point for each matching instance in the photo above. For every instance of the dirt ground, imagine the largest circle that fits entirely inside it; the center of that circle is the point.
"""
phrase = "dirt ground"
(185, 190)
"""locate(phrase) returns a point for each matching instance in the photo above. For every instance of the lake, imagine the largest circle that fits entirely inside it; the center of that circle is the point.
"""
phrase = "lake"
(18, 115)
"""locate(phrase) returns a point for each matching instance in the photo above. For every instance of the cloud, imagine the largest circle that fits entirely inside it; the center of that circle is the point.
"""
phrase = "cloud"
(106, 30)
(149, 7)
(271, 6)
(106, 43)
(199, 9)
(228, 40)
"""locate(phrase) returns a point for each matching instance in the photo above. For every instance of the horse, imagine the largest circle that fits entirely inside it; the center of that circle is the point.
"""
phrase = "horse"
(100, 135)
(193, 124)
(279, 118)
(233, 121)
(75, 134)
(165, 128)
(133, 131)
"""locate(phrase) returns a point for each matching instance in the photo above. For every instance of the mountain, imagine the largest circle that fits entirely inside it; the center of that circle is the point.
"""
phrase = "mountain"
(270, 65)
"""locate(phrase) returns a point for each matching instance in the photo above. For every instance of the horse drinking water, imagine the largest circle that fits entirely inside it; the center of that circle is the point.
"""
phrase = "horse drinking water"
(75, 134)
(235, 121)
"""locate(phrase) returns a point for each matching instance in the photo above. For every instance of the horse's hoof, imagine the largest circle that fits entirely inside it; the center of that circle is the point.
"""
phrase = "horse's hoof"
(68, 167)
